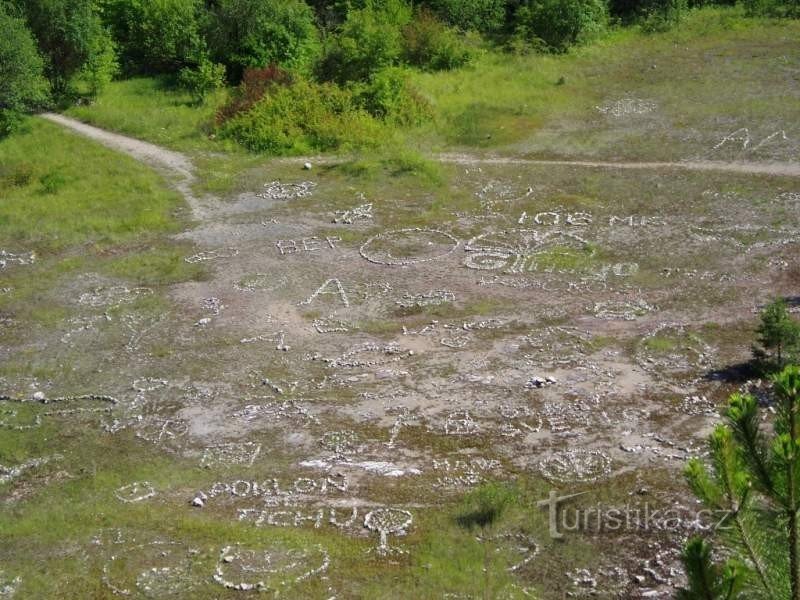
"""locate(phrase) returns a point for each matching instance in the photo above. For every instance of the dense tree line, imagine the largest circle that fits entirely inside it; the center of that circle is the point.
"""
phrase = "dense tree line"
(54, 50)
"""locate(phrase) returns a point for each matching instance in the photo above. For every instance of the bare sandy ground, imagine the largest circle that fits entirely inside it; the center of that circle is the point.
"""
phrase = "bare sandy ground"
(778, 169)
(415, 380)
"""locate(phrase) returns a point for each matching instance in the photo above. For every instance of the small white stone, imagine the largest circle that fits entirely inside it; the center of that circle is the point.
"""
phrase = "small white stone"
(39, 396)
(198, 502)
(307, 166)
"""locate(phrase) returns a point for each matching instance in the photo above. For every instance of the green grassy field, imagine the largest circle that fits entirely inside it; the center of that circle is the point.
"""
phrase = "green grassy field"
(544, 105)
(154, 110)
(114, 217)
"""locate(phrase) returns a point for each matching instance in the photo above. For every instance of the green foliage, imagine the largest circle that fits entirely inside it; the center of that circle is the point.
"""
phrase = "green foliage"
(22, 83)
(153, 109)
(203, 79)
(772, 8)
(254, 85)
(486, 16)
(663, 15)
(52, 182)
(156, 36)
(67, 33)
(486, 504)
(389, 96)
(650, 12)
(755, 479)
(101, 66)
(778, 337)
(369, 40)
(249, 33)
(301, 118)
(329, 13)
(276, 113)
(707, 581)
(9, 121)
(560, 24)
(430, 45)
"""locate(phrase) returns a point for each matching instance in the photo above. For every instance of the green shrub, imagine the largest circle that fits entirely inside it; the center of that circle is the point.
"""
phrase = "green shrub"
(101, 66)
(663, 15)
(559, 24)
(389, 96)
(247, 33)
(156, 36)
(430, 45)
(22, 83)
(772, 8)
(252, 88)
(52, 182)
(778, 341)
(486, 16)
(485, 505)
(369, 40)
(202, 79)
(301, 118)
(9, 121)
(67, 33)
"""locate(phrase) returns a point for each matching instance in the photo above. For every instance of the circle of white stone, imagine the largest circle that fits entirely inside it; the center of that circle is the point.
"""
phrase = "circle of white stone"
(385, 257)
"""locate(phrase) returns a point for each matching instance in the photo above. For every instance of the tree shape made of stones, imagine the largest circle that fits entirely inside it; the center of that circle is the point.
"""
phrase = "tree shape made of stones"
(386, 521)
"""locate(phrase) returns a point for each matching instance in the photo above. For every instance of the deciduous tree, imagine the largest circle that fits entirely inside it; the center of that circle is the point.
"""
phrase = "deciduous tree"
(22, 83)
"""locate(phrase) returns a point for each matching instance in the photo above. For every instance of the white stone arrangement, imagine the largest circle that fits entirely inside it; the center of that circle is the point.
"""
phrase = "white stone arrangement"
(440, 244)
(11, 258)
(208, 255)
(135, 492)
(8, 586)
(362, 212)
(331, 287)
(575, 466)
(275, 190)
(430, 298)
(277, 411)
(691, 354)
(268, 569)
(113, 296)
(627, 106)
(388, 521)
(620, 310)
(8, 474)
(277, 337)
(368, 355)
(9, 416)
(231, 453)
(331, 324)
